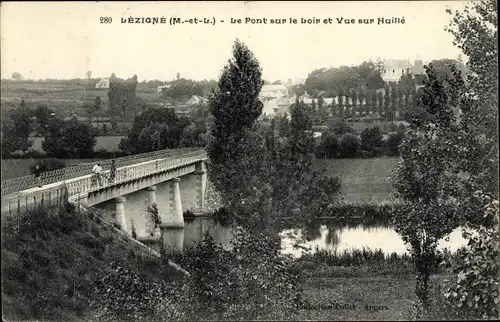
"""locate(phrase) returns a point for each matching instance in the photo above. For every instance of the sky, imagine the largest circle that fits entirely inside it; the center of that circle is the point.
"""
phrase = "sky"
(67, 39)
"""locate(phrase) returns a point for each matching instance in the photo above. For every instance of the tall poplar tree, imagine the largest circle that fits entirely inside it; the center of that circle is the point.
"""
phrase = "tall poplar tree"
(235, 107)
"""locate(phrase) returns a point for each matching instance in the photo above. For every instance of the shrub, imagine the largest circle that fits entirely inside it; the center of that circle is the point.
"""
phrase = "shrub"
(48, 165)
(153, 219)
(371, 141)
(475, 292)
(349, 145)
(250, 281)
(340, 128)
(328, 146)
(124, 295)
(393, 142)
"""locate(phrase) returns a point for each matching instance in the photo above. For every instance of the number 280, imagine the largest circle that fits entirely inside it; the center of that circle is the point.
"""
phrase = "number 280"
(106, 19)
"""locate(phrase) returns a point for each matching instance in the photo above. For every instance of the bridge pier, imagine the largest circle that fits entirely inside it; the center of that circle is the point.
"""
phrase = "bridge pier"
(120, 213)
(201, 184)
(151, 195)
(173, 217)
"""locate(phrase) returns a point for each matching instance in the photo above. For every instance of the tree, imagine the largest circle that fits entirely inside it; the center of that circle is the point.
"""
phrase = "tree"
(235, 107)
(154, 129)
(332, 80)
(354, 108)
(122, 97)
(322, 109)
(341, 104)
(380, 105)
(393, 141)
(349, 145)
(363, 110)
(424, 179)
(42, 115)
(183, 89)
(69, 139)
(475, 291)
(328, 146)
(193, 135)
(153, 219)
(16, 76)
(371, 141)
(17, 126)
(394, 102)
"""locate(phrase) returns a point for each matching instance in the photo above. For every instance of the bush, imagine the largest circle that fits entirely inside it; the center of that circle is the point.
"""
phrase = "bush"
(125, 295)
(475, 293)
(249, 282)
(340, 128)
(371, 141)
(393, 142)
(349, 145)
(328, 146)
(48, 165)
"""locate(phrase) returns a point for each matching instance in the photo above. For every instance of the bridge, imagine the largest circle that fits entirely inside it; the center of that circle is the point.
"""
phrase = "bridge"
(183, 169)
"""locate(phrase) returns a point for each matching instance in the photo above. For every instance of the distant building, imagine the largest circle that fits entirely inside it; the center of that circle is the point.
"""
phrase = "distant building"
(103, 83)
(273, 91)
(196, 100)
(160, 88)
(393, 69)
(275, 106)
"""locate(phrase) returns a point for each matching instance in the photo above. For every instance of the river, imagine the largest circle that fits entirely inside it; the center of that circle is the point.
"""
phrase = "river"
(339, 236)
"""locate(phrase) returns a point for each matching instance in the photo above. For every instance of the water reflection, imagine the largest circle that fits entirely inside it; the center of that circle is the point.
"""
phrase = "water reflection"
(328, 234)
(349, 237)
(173, 239)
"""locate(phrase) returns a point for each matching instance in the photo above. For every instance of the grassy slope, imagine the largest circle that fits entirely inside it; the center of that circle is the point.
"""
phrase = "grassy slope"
(51, 261)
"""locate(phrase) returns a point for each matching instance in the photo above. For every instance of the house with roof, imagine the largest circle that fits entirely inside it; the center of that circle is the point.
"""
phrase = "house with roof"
(196, 100)
(160, 88)
(103, 83)
(274, 107)
(273, 91)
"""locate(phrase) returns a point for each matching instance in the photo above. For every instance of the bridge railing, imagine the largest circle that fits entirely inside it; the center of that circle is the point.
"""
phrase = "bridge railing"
(57, 193)
(27, 182)
(24, 202)
(89, 182)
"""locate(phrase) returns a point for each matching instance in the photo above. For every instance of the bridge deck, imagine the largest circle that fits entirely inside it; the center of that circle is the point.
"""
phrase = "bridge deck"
(30, 184)
(181, 163)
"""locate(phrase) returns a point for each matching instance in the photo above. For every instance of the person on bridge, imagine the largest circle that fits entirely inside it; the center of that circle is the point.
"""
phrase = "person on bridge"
(37, 173)
(112, 172)
(97, 174)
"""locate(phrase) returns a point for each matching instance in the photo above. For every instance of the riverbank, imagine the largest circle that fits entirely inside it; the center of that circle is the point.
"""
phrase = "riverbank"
(53, 261)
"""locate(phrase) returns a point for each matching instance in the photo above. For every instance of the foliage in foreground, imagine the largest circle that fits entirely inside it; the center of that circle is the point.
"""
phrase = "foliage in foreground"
(51, 260)
(250, 281)
(475, 293)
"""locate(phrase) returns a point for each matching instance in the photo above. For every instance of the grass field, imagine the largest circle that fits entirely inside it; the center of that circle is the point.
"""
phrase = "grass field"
(362, 179)
(63, 98)
(13, 168)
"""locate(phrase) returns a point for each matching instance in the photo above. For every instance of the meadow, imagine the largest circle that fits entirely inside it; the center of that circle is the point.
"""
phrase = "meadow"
(63, 99)
(363, 180)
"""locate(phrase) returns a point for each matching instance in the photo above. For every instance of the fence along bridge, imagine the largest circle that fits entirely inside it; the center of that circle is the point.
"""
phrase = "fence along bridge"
(183, 169)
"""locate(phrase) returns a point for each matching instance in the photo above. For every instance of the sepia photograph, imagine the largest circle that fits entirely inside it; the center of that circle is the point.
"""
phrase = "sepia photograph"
(249, 160)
